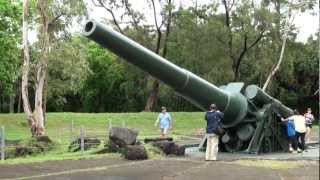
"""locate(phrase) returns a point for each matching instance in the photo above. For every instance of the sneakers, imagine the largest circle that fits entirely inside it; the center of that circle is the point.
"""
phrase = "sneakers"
(299, 150)
(290, 149)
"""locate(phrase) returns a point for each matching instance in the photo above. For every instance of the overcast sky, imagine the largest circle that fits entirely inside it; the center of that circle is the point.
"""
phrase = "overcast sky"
(307, 23)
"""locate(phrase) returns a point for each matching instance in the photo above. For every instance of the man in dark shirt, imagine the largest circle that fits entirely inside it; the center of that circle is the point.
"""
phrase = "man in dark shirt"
(213, 117)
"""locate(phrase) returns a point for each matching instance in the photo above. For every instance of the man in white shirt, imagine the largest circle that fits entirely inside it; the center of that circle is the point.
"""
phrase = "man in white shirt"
(300, 128)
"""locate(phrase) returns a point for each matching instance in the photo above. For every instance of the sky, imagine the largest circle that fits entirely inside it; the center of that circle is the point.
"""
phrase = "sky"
(307, 23)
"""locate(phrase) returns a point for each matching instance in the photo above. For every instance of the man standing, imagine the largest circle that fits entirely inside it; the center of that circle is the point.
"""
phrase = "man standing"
(300, 128)
(165, 121)
(213, 117)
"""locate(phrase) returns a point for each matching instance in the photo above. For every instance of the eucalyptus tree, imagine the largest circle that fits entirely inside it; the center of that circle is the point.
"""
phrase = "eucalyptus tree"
(52, 19)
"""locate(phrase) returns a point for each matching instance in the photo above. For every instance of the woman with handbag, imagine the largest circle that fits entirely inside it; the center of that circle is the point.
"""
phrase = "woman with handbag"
(213, 118)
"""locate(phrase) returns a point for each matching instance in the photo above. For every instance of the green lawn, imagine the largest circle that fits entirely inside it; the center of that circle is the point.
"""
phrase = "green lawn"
(58, 129)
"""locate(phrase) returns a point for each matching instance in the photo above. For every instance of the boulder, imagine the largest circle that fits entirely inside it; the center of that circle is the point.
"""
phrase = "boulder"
(88, 144)
(123, 136)
(135, 152)
(165, 146)
(170, 147)
(178, 150)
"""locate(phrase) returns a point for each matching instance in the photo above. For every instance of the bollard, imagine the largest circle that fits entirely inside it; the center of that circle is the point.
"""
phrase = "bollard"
(2, 143)
(82, 139)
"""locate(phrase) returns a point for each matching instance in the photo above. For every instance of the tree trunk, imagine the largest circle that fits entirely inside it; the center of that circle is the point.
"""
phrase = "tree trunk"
(25, 70)
(153, 95)
(11, 103)
(19, 99)
(42, 67)
(151, 101)
(38, 106)
(276, 68)
(284, 41)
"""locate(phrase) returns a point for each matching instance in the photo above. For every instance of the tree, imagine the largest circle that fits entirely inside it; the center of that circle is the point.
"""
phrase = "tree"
(25, 70)
(53, 17)
(10, 34)
(135, 19)
(68, 69)
(166, 19)
(287, 27)
(242, 28)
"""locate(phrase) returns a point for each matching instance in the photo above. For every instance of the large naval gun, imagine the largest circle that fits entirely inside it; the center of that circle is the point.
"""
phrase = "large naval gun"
(252, 117)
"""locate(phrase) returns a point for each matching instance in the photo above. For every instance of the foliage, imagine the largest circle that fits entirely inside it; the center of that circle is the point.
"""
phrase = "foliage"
(83, 76)
(68, 71)
(58, 129)
(10, 22)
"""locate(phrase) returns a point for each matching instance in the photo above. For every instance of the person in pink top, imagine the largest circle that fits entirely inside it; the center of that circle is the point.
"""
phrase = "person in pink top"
(309, 119)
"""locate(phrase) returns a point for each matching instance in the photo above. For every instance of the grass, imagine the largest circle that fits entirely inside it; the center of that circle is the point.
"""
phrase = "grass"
(96, 124)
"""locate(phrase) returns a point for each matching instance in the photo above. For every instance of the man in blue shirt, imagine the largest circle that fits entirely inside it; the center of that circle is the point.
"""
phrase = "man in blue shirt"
(164, 119)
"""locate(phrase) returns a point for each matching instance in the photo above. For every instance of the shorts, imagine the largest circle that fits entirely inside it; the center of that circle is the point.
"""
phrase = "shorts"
(164, 130)
(309, 126)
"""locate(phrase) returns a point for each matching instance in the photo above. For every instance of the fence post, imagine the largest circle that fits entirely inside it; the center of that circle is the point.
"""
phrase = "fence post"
(123, 123)
(82, 139)
(110, 125)
(2, 143)
(71, 130)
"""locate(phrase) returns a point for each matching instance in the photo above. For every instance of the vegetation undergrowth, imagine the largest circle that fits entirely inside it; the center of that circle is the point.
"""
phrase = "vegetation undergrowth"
(58, 128)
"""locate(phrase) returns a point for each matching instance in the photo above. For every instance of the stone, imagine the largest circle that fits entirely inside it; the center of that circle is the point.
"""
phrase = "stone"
(123, 136)
(148, 140)
(170, 147)
(135, 152)
(165, 146)
(23, 151)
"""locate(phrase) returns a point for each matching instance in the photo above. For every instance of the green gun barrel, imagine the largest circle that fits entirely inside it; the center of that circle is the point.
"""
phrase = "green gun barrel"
(193, 88)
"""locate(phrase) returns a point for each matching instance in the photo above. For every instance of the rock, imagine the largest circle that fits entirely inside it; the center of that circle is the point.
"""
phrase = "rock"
(23, 151)
(114, 147)
(178, 150)
(88, 144)
(44, 139)
(169, 147)
(135, 152)
(123, 136)
(165, 146)
(147, 140)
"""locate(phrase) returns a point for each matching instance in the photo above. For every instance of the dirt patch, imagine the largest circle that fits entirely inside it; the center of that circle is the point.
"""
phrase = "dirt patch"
(168, 168)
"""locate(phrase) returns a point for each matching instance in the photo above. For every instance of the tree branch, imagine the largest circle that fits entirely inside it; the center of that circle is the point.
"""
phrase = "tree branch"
(164, 53)
(257, 39)
(101, 4)
(131, 13)
(155, 16)
(227, 22)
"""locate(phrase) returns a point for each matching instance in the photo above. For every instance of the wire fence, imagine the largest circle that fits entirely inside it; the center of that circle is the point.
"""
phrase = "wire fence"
(66, 135)
(73, 136)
